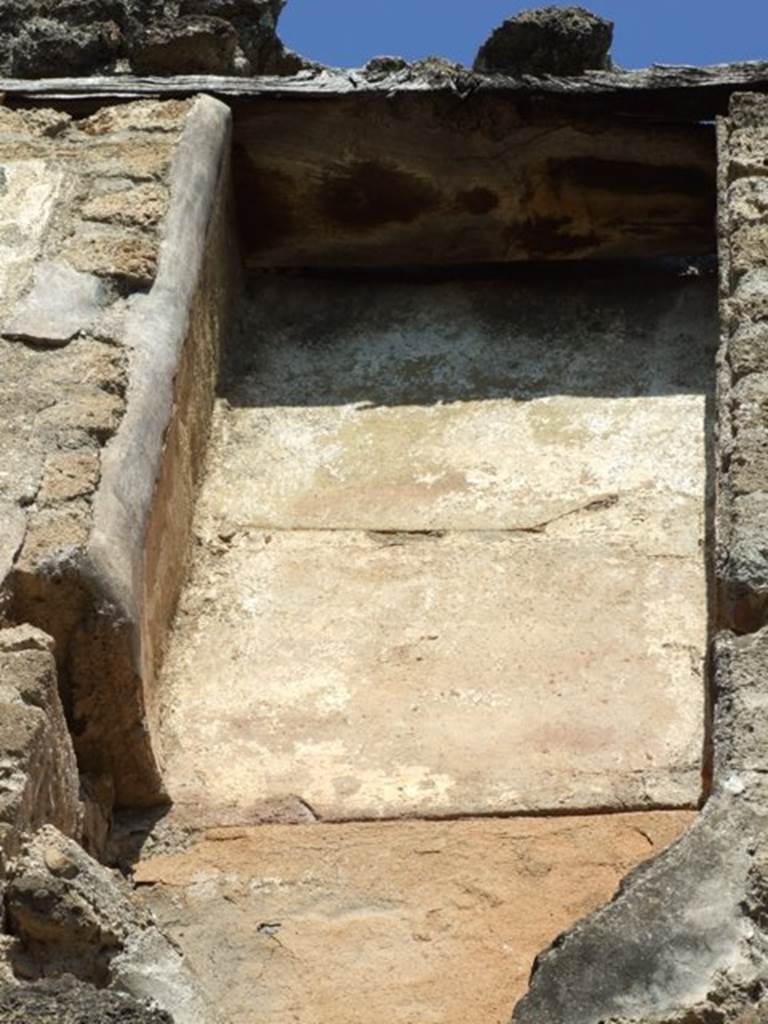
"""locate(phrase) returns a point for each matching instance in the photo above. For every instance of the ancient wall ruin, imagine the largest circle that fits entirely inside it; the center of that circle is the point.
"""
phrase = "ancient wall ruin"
(382, 573)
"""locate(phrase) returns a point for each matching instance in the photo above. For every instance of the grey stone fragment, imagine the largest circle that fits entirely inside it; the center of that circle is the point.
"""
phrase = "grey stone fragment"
(548, 41)
(67, 907)
(61, 302)
(68, 1001)
(677, 945)
(74, 916)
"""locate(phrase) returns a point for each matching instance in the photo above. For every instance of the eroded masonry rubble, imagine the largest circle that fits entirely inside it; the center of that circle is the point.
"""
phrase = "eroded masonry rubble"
(105, 406)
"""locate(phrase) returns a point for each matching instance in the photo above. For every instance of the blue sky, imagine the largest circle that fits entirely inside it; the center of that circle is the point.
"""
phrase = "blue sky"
(347, 33)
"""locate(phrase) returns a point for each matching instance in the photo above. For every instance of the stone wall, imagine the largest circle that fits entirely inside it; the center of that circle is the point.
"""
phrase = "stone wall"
(52, 38)
(742, 557)
(115, 292)
(112, 308)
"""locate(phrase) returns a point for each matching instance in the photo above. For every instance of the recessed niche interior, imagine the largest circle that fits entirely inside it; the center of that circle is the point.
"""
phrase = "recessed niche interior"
(450, 562)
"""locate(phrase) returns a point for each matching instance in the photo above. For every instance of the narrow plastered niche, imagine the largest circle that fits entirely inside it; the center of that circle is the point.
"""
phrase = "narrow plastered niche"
(452, 543)
(450, 563)
(684, 932)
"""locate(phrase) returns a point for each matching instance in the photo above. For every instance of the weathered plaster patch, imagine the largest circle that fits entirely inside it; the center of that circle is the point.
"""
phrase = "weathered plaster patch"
(407, 485)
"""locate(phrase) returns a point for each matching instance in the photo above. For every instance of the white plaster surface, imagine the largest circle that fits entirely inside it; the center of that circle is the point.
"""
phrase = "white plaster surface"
(28, 192)
(538, 643)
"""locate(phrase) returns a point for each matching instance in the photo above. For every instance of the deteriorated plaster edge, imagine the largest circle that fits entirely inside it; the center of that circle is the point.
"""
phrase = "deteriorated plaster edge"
(156, 331)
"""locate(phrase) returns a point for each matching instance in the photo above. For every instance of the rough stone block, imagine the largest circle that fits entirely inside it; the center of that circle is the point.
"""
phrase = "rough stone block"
(749, 404)
(741, 669)
(65, 906)
(747, 462)
(748, 349)
(140, 206)
(748, 200)
(128, 258)
(748, 154)
(145, 161)
(52, 543)
(30, 192)
(748, 109)
(91, 410)
(68, 475)
(749, 468)
(45, 47)
(39, 768)
(185, 46)
(749, 247)
(56, 38)
(548, 41)
(744, 575)
(157, 116)
(748, 300)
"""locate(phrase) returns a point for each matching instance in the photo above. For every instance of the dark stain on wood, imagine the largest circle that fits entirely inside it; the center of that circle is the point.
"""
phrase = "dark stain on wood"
(547, 238)
(265, 202)
(630, 177)
(370, 194)
(477, 201)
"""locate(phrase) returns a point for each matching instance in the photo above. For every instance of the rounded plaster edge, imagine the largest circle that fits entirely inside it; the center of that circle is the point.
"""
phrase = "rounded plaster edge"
(156, 329)
(155, 332)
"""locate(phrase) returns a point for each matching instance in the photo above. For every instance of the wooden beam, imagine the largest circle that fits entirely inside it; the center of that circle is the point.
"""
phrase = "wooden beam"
(422, 179)
(439, 166)
(671, 93)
